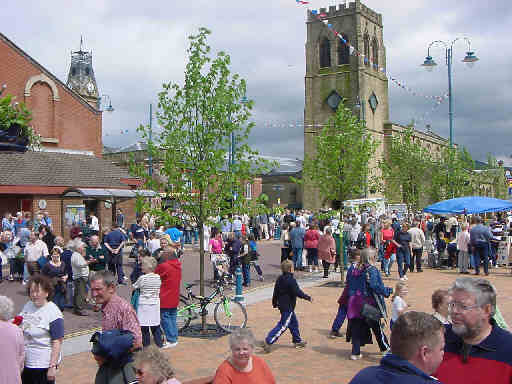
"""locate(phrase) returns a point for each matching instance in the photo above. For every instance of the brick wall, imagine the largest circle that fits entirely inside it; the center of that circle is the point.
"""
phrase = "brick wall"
(69, 119)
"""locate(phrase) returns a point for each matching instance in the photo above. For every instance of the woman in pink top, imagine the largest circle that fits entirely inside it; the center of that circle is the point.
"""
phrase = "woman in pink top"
(311, 244)
(153, 367)
(12, 345)
(463, 247)
(327, 250)
(215, 247)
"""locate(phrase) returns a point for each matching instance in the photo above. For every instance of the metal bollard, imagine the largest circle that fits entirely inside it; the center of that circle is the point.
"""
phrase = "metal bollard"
(238, 294)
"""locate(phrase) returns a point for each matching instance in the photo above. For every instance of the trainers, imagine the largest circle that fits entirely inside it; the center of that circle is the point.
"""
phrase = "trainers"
(300, 344)
(262, 278)
(406, 278)
(356, 357)
(169, 345)
(334, 334)
(267, 348)
(402, 279)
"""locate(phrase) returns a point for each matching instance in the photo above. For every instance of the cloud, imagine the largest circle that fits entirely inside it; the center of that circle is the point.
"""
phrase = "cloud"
(137, 46)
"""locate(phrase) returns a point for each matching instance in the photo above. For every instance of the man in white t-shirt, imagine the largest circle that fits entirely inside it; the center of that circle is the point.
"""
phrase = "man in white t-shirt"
(95, 225)
(34, 249)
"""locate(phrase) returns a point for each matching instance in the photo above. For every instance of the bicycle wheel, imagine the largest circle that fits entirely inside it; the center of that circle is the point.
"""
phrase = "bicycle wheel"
(183, 315)
(230, 315)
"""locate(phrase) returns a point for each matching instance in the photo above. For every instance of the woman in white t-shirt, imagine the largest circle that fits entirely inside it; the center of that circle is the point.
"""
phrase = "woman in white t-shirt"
(43, 329)
(148, 309)
(399, 305)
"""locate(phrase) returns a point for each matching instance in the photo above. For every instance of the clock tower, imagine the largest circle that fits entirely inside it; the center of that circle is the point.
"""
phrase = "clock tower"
(81, 77)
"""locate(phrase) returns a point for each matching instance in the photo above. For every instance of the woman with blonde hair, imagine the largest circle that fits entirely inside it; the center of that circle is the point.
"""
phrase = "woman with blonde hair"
(153, 367)
(243, 366)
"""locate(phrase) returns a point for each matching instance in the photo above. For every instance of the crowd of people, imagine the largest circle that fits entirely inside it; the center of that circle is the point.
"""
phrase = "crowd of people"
(465, 321)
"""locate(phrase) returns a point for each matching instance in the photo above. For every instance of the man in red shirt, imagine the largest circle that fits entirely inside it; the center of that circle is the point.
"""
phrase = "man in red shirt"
(477, 350)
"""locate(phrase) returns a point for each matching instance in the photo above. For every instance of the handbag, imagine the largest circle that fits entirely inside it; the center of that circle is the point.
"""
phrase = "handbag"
(370, 312)
(134, 301)
(42, 261)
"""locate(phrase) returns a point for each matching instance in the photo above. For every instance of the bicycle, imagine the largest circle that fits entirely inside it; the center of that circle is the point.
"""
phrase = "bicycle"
(228, 313)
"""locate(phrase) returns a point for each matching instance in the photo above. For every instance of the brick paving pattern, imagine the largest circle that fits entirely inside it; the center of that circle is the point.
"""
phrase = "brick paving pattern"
(322, 361)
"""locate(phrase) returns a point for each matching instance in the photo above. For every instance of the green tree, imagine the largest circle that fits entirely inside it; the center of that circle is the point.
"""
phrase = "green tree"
(17, 113)
(403, 170)
(340, 166)
(452, 174)
(494, 177)
(199, 119)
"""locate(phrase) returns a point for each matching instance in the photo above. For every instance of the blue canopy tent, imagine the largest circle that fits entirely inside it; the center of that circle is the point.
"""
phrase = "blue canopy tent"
(469, 205)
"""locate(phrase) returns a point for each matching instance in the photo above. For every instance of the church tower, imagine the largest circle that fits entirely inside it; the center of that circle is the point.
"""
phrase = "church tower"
(335, 72)
(81, 77)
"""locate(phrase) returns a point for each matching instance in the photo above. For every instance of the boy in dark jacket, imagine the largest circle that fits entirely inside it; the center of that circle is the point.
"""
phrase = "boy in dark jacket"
(286, 291)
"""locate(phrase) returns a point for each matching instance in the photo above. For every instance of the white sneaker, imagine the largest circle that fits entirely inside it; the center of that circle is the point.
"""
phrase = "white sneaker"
(356, 357)
(169, 345)
(24, 282)
(406, 278)
(402, 279)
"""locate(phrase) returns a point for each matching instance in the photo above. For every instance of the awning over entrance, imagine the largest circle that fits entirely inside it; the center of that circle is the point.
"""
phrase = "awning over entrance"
(107, 194)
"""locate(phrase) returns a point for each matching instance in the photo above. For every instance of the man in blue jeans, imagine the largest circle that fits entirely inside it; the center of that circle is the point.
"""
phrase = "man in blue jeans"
(480, 235)
(297, 242)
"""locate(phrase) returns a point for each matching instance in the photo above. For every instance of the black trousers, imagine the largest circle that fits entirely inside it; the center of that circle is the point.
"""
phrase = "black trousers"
(416, 254)
(157, 335)
(35, 376)
(326, 266)
(285, 254)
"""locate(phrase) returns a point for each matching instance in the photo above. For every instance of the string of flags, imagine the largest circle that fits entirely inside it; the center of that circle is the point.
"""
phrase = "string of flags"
(321, 16)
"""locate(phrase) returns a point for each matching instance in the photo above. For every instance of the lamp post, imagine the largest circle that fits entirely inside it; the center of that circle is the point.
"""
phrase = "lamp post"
(470, 59)
(102, 100)
(243, 100)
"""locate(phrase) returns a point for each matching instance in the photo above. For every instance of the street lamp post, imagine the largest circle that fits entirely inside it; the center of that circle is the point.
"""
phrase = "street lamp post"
(103, 101)
(243, 100)
(429, 65)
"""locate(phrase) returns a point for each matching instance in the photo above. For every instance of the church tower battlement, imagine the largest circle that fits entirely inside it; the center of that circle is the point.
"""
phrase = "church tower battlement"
(334, 74)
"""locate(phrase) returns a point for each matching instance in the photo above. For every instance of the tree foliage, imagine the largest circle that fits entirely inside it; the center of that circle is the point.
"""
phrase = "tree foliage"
(17, 113)
(404, 168)
(199, 119)
(339, 168)
(452, 174)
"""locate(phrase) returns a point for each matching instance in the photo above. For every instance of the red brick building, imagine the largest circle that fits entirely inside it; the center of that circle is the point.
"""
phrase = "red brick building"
(68, 176)
(63, 118)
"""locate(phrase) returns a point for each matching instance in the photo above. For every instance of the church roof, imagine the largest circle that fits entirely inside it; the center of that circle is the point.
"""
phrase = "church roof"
(60, 169)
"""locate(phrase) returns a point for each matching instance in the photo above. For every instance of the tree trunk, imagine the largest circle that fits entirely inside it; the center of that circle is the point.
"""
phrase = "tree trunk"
(201, 269)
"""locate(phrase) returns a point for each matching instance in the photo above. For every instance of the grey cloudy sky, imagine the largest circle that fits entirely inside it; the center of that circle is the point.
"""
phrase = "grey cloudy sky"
(139, 45)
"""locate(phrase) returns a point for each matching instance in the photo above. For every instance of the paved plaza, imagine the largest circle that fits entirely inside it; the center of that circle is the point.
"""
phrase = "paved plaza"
(323, 361)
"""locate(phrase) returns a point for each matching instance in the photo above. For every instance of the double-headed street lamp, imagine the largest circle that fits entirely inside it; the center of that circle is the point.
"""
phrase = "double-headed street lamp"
(429, 65)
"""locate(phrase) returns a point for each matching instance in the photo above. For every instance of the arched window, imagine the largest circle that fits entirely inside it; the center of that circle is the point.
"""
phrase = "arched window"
(325, 53)
(343, 51)
(375, 53)
(366, 49)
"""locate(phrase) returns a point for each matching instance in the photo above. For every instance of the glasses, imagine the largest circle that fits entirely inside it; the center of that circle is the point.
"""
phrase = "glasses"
(461, 307)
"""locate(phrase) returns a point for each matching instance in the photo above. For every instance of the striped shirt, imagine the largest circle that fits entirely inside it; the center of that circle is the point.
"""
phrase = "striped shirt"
(149, 285)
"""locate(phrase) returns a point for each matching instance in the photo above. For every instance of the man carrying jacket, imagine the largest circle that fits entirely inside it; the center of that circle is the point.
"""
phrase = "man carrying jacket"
(417, 349)
(286, 291)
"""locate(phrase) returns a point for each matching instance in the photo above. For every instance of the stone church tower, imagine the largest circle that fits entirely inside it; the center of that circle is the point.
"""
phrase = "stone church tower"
(334, 73)
(81, 77)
